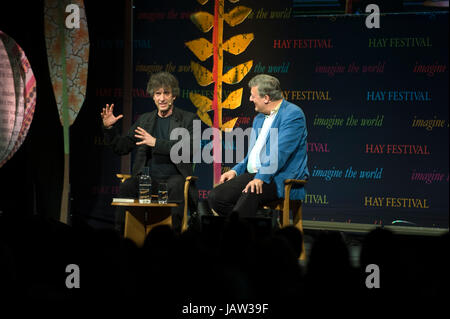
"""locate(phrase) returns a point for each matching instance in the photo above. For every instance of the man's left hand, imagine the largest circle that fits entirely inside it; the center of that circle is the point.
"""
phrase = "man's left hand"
(253, 186)
(145, 137)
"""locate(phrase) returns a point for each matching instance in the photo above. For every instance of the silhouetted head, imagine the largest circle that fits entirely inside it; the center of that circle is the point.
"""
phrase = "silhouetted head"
(294, 237)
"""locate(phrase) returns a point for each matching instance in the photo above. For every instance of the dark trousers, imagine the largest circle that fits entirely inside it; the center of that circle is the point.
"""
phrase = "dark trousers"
(130, 189)
(228, 197)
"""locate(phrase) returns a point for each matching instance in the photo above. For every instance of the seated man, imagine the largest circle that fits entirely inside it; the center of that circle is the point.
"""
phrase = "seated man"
(150, 135)
(279, 129)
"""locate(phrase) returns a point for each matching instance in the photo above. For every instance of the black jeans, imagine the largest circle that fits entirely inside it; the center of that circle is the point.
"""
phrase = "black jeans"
(130, 189)
(228, 197)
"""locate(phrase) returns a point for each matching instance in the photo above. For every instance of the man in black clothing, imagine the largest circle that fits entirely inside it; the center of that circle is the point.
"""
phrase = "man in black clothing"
(151, 135)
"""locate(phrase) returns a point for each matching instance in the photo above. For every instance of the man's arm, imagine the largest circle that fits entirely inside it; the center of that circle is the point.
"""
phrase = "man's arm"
(121, 145)
(241, 167)
(289, 131)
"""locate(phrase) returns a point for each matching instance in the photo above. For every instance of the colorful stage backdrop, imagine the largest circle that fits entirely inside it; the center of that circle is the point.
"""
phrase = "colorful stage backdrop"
(375, 100)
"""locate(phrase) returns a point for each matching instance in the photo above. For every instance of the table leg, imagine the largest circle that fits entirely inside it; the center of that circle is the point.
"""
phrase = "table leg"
(140, 221)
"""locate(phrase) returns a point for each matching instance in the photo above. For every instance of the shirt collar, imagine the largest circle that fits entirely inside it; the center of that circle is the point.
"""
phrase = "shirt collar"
(275, 110)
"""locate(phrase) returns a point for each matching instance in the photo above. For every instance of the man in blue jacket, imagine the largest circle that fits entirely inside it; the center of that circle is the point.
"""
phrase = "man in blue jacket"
(277, 152)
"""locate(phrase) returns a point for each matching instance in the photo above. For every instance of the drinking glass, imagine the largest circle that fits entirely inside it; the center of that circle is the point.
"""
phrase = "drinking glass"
(163, 193)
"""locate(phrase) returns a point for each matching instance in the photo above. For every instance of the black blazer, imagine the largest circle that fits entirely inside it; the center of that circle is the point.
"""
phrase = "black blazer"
(125, 144)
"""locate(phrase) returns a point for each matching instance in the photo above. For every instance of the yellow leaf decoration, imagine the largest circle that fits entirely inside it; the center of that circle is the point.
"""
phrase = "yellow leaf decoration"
(233, 100)
(203, 76)
(228, 126)
(237, 15)
(202, 48)
(238, 43)
(203, 103)
(236, 74)
(205, 48)
(204, 117)
(203, 20)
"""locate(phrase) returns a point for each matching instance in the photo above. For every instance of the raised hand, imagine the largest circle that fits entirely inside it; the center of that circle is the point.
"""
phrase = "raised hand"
(108, 117)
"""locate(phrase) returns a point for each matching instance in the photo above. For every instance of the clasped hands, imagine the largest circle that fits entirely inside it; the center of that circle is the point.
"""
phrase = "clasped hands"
(254, 186)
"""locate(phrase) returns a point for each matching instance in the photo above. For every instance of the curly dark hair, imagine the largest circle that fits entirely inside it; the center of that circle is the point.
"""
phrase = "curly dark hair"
(163, 80)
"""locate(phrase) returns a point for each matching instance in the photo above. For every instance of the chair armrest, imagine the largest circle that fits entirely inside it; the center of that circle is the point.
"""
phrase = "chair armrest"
(288, 183)
(191, 178)
(123, 177)
(187, 182)
(295, 181)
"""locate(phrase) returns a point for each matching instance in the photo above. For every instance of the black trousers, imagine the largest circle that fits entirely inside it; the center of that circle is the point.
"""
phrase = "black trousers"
(130, 189)
(228, 197)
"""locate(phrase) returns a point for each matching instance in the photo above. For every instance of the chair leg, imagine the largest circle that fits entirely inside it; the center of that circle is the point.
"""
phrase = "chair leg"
(214, 212)
(186, 204)
(297, 219)
(285, 212)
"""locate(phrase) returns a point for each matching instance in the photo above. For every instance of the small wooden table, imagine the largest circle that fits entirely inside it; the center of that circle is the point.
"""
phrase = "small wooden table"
(141, 218)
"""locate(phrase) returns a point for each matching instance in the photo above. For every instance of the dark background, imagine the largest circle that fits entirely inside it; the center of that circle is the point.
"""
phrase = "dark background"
(32, 179)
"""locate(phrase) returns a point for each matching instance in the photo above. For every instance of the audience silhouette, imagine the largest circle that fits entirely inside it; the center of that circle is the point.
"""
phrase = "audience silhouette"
(231, 262)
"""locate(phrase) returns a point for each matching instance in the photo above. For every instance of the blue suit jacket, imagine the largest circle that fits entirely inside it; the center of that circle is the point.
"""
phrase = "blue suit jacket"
(289, 158)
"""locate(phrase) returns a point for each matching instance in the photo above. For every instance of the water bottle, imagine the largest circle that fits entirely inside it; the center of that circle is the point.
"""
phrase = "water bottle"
(145, 186)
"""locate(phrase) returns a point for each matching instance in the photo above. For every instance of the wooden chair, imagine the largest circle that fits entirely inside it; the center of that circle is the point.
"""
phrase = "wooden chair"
(187, 182)
(286, 204)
